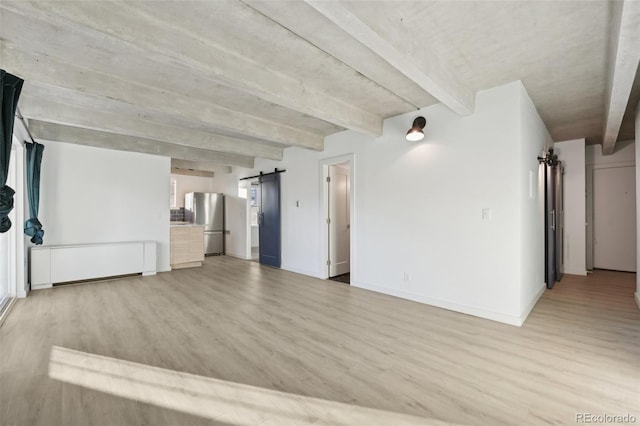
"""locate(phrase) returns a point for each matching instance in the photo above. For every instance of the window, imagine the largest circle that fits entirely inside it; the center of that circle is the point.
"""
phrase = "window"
(242, 192)
(254, 194)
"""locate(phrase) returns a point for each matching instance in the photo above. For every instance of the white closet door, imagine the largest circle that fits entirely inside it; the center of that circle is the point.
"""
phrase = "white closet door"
(614, 219)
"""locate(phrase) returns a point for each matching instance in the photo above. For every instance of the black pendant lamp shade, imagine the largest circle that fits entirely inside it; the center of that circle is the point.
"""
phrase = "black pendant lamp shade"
(415, 132)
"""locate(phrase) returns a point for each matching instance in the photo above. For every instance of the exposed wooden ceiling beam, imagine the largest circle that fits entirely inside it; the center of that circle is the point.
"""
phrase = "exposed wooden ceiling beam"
(169, 43)
(625, 57)
(427, 71)
(80, 136)
(43, 68)
(56, 111)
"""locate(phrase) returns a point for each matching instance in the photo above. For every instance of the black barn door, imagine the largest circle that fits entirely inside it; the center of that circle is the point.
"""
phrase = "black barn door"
(554, 220)
(550, 225)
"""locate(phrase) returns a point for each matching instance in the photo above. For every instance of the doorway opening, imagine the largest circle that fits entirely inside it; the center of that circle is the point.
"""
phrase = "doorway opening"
(337, 216)
(263, 221)
(254, 230)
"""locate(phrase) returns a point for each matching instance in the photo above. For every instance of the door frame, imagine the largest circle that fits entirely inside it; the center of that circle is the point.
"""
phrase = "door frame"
(589, 217)
(324, 208)
(591, 198)
(589, 169)
(16, 263)
(246, 185)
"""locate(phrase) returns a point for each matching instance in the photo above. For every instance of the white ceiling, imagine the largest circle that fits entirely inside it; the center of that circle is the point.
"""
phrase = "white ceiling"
(224, 82)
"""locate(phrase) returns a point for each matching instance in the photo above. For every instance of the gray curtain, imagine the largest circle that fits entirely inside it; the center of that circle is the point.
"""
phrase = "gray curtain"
(10, 88)
(33, 227)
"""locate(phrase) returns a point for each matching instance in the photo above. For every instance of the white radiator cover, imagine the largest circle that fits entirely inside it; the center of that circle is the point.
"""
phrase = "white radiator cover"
(58, 264)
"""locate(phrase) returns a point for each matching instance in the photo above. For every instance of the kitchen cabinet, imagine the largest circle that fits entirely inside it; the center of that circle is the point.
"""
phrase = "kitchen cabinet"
(187, 246)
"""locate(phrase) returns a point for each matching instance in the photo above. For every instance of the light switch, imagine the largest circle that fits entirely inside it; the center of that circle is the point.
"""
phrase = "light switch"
(298, 204)
(486, 214)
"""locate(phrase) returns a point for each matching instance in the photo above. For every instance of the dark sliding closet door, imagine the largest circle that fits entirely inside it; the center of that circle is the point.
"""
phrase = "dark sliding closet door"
(269, 220)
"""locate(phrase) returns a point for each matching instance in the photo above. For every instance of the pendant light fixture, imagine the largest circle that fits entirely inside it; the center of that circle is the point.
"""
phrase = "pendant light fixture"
(415, 133)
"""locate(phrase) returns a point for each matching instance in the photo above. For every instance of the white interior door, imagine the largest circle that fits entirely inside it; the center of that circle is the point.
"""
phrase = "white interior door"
(614, 219)
(339, 214)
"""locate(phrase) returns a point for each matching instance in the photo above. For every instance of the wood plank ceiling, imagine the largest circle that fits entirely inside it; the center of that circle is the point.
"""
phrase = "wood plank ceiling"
(224, 82)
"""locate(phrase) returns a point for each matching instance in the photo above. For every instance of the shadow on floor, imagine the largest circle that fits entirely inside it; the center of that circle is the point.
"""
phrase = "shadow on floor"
(344, 278)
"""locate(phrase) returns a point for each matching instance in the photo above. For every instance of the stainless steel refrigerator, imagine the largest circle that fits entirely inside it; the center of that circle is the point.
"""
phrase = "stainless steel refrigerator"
(204, 208)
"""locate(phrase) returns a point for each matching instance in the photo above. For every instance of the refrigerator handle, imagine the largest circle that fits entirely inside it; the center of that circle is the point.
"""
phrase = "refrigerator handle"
(553, 219)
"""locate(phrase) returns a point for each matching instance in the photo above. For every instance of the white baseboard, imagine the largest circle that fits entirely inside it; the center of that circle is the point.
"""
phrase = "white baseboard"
(637, 297)
(21, 294)
(452, 306)
(41, 286)
(527, 310)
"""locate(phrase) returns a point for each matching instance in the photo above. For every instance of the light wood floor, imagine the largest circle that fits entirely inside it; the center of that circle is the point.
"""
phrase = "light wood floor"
(244, 324)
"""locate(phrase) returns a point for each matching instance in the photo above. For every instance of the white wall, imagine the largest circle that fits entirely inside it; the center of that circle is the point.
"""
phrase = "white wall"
(187, 183)
(255, 237)
(534, 139)
(572, 154)
(637, 160)
(418, 207)
(623, 155)
(95, 195)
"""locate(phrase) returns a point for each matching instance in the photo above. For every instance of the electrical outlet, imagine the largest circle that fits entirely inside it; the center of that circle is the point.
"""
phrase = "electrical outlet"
(486, 214)
(407, 276)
